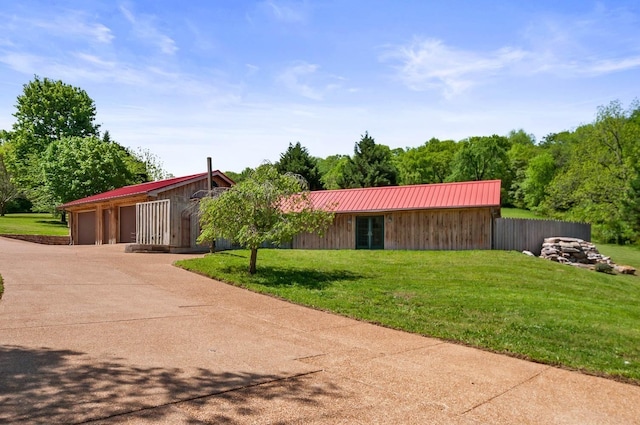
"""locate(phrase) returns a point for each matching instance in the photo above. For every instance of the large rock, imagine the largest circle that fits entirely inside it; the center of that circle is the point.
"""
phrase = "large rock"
(624, 269)
(578, 252)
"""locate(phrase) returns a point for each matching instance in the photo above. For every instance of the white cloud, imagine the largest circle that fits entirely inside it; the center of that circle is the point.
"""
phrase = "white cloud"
(292, 78)
(71, 24)
(144, 27)
(610, 65)
(251, 69)
(305, 79)
(430, 64)
(601, 42)
(287, 12)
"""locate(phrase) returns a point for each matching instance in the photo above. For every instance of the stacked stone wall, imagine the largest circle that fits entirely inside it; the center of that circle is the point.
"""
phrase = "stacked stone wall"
(45, 240)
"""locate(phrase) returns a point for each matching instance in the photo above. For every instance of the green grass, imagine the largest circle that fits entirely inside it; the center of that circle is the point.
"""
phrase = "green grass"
(628, 255)
(501, 301)
(32, 224)
(519, 213)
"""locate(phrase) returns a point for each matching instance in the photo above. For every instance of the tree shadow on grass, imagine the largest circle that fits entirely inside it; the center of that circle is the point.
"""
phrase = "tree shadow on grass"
(307, 278)
(52, 222)
(44, 386)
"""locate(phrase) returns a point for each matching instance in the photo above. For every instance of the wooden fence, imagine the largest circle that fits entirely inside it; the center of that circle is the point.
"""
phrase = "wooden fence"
(152, 223)
(519, 234)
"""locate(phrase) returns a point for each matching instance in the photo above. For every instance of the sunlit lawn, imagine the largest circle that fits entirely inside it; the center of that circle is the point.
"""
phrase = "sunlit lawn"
(32, 224)
(501, 301)
(519, 213)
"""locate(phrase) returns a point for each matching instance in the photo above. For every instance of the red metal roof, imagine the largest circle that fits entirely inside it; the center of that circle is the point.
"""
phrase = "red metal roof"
(415, 197)
(141, 189)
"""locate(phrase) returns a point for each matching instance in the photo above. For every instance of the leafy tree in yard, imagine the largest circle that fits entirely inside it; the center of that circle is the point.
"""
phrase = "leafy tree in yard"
(8, 190)
(49, 110)
(241, 176)
(370, 166)
(429, 163)
(76, 167)
(538, 175)
(596, 183)
(522, 149)
(296, 160)
(146, 165)
(481, 158)
(46, 111)
(332, 170)
(266, 207)
(631, 203)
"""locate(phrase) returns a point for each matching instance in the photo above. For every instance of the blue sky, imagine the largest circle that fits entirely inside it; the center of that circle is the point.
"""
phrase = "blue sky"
(240, 80)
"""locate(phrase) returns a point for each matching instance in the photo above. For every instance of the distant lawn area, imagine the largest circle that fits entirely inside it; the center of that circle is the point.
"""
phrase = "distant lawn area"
(519, 213)
(501, 301)
(32, 224)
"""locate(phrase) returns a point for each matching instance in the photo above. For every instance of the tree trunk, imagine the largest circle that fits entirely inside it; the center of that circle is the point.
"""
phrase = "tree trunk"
(252, 261)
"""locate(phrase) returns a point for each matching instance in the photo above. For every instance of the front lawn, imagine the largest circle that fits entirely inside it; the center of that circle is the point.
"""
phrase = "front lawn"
(501, 301)
(32, 224)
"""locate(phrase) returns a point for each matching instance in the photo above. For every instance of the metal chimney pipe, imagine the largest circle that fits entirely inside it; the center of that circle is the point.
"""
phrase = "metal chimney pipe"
(209, 172)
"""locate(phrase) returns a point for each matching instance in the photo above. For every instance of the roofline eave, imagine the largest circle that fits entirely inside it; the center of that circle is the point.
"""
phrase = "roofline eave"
(390, 210)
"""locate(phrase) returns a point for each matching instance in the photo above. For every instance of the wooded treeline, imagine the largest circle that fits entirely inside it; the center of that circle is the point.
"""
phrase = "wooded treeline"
(590, 174)
(56, 153)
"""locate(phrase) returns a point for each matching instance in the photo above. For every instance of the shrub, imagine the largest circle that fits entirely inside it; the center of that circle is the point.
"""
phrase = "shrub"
(604, 268)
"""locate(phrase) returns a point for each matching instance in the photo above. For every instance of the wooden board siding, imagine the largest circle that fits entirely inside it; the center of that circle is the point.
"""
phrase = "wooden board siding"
(521, 234)
(340, 235)
(447, 229)
(182, 208)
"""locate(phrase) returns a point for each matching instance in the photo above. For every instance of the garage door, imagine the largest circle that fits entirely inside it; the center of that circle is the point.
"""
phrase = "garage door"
(87, 228)
(128, 224)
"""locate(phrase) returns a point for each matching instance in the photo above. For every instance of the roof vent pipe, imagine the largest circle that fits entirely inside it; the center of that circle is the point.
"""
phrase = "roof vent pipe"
(209, 172)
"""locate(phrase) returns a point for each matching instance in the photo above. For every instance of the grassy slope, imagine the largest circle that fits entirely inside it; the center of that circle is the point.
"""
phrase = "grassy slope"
(502, 301)
(624, 255)
(32, 224)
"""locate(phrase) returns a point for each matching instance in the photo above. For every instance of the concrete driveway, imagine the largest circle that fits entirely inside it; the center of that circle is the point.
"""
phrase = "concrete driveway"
(89, 334)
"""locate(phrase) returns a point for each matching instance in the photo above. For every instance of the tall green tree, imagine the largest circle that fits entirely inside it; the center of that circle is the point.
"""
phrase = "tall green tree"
(539, 173)
(49, 110)
(267, 207)
(429, 163)
(370, 166)
(76, 167)
(46, 111)
(147, 165)
(8, 190)
(297, 160)
(481, 158)
(332, 170)
(241, 176)
(522, 148)
(596, 183)
(631, 203)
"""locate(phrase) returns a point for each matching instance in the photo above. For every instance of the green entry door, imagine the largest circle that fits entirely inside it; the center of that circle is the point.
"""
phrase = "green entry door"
(370, 232)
